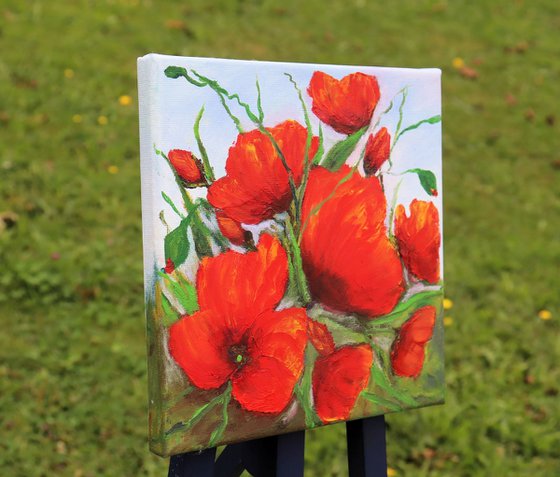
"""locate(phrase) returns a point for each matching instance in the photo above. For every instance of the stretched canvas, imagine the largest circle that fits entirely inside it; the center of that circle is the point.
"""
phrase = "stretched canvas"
(292, 245)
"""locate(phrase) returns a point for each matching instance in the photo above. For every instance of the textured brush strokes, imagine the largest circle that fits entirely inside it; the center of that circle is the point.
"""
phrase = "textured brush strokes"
(287, 287)
(257, 186)
(350, 263)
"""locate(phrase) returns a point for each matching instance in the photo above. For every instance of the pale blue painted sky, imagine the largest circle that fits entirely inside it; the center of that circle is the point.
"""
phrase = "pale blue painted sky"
(176, 104)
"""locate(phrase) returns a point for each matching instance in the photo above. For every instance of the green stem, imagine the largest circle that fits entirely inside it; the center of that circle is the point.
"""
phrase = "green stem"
(200, 230)
(309, 139)
(380, 376)
(217, 433)
(208, 171)
(199, 413)
(176, 71)
(299, 275)
(393, 205)
(304, 390)
(381, 401)
(172, 205)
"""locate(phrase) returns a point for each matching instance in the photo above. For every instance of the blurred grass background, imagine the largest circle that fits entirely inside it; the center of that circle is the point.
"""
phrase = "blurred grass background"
(72, 344)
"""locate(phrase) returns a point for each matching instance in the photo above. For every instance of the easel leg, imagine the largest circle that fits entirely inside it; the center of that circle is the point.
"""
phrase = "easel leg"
(367, 456)
(290, 450)
(193, 464)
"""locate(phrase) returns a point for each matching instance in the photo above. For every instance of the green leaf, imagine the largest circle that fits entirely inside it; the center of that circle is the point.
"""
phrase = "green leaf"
(427, 180)
(187, 296)
(176, 244)
(340, 152)
(321, 149)
(183, 290)
(404, 309)
(381, 401)
(170, 316)
(201, 239)
(175, 72)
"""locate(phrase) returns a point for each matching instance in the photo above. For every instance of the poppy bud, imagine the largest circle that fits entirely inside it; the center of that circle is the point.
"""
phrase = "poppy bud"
(188, 167)
(169, 266)
(378, 149)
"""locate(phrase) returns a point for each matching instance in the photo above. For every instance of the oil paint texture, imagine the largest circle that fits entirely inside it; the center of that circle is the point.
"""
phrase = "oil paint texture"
(292, 245)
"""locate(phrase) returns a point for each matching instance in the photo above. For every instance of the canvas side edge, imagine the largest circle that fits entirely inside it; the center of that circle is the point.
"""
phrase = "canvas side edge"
(147, 106)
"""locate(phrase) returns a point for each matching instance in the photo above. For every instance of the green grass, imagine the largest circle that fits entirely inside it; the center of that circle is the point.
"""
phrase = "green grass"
(72, 340)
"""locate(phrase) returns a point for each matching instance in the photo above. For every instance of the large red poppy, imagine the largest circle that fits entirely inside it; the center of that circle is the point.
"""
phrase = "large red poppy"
(347, 104)
(348, 259)
(418, 237)
(338, 380)
(256, 185)
(237, 335)
(407, 355)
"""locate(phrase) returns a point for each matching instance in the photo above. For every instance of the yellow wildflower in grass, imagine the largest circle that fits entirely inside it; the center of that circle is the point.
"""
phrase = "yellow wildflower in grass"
(102, 120)
(68, 73)
(447, 304)
(113, 169)
(447, 321)
(125, 100)
(458, 63)
(545, 315)
(391, 472)
(77, 118)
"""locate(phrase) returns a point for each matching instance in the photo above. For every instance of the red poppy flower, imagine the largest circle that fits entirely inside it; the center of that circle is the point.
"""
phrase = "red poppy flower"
(350, 264)
(378, 149)
(338, 380)
(231, 229)
(237, 335)
(418, 237)
(256, 185)
(320, 336)
(188, 167)
(346, 105)
(407, 355)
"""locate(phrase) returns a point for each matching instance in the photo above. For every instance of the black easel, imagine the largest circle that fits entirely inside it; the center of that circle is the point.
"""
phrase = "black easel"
(282, 456)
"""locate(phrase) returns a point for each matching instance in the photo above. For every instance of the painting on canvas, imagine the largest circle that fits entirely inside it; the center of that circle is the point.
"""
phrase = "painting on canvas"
(292, 245)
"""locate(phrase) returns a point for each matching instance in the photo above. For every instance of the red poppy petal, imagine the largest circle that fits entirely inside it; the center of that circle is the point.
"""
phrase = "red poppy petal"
(407, 355)
(338, 380)
(244, 205)
(420, 327)
(231, 229)
(348, 259)
(242, 285)
(281, 335)
(407, 359)
(198, 343)
(321, 337)
(419, 239)
(263, 385)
